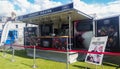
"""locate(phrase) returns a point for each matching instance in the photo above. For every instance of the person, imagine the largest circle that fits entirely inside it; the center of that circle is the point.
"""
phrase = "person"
(112, 37)
(112, 31)
(95, 49)
(90, 58)
(96, 58)
(102, 31)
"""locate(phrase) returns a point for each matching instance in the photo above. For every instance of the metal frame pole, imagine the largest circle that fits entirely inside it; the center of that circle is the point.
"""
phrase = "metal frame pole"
(68, 43)
(67, 63)
(12, 49)
(119, 32)
(25, 30)
(13, 52)
(4, 51)
(38, 31)
(94, 24)
(34, 58)
(69, 32)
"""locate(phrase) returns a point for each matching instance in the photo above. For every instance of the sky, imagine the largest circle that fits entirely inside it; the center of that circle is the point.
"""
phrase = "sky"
(101, 8)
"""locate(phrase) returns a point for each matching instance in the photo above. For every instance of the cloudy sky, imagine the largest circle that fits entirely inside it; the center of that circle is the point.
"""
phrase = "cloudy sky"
(101, 8)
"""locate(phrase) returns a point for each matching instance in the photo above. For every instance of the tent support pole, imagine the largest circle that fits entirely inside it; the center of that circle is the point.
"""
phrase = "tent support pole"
(68, 42)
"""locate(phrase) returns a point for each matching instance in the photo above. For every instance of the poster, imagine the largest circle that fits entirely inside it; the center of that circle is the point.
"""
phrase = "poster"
(97, 44)
(29, 32)
(109, 27)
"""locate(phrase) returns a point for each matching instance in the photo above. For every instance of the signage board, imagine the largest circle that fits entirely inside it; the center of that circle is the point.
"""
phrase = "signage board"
(97, 46)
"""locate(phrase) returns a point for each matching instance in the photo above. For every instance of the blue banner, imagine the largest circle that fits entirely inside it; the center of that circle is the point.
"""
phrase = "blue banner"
(48, 11)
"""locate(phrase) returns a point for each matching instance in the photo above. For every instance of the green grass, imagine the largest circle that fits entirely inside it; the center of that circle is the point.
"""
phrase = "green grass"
(24, 62)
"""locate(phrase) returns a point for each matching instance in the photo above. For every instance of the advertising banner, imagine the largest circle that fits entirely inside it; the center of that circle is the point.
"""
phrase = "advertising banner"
(97, 45)
(48, 11)
(109, 27)
(29, 32)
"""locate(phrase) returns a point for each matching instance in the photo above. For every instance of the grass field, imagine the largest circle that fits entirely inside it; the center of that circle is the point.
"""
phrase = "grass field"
(24, 62)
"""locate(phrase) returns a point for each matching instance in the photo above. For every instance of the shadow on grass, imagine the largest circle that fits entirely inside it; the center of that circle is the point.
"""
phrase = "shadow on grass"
(26, 64)
(113, 61)
(110, 64)
(20, 53)
(118, 67)
(81, 67)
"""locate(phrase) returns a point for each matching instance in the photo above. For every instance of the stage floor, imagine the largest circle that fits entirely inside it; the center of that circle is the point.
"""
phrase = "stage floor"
(54, 55)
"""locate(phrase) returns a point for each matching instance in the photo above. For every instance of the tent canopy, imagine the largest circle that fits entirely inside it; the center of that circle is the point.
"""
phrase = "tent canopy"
(55, 15)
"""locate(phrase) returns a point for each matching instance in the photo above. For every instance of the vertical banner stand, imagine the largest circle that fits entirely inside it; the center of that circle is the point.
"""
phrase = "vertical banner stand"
(34, 58)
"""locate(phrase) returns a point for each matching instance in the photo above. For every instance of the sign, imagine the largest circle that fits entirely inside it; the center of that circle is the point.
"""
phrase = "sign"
(48, 11)
(97, 45)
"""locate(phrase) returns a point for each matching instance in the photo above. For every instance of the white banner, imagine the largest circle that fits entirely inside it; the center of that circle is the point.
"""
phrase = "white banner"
(97, 44)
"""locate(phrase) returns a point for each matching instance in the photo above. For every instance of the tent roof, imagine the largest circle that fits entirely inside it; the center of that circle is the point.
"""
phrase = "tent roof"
(55, 15)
